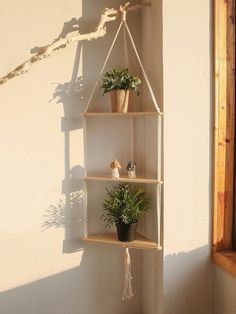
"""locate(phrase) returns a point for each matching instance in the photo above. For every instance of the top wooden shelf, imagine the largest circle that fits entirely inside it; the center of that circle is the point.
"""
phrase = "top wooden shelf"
(121, 114)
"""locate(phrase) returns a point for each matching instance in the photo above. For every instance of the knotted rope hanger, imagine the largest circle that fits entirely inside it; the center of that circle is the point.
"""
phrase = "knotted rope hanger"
(123, 10)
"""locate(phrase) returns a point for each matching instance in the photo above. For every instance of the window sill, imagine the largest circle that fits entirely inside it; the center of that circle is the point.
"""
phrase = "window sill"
(226, 260)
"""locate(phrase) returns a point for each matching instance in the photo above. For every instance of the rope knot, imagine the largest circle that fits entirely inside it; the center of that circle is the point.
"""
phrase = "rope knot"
(123, 10)
(123, 15)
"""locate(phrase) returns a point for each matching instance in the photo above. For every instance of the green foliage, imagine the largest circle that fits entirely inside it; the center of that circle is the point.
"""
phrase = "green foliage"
(120, 79)
(124, 204)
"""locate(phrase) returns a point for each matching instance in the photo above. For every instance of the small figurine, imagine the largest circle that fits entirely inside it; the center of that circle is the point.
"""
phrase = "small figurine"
(131, 167)
(115, 166)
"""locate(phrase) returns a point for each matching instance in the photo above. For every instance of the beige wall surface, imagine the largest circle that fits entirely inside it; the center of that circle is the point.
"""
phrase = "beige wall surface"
(151, 42)
(225, 287)
(188, 280)
(43, 266)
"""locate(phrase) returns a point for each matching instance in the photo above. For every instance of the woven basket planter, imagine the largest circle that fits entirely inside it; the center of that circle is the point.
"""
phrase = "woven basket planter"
(119, 100)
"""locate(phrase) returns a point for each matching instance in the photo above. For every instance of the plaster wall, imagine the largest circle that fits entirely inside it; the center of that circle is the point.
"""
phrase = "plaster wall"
(151, 43)
(43, 267)
(225, 287)
(188, 277)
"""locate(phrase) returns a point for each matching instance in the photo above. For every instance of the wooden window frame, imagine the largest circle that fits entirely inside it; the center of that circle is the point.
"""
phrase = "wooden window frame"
(224, 125)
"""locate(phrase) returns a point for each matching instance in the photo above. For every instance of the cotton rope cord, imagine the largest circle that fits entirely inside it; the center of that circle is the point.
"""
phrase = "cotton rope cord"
(128, 292)
(159, 175)
(159, 214)
(142, 68)
(103, 67)
(127, 66)
(125, 47)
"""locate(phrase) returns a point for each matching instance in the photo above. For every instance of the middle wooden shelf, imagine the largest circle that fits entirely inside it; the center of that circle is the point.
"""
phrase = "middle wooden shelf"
(123, 179)
(121, 114)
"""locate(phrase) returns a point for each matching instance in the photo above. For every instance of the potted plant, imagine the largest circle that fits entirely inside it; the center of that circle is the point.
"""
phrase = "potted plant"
(123, 206)
(119, 83)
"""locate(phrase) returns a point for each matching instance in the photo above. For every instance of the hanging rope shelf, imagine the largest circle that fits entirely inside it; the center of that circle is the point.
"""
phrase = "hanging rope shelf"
(108, 238)
(107, 16)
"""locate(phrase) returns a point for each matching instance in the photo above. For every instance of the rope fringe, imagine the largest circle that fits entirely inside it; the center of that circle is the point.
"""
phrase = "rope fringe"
(128, 292)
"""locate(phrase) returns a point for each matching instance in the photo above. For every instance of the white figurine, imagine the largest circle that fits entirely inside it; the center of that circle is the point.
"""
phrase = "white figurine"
(115, 166)
(131, 167)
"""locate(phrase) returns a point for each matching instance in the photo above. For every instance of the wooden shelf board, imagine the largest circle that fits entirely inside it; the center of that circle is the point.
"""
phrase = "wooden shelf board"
(118, 114)
(123, 179)
(111, 239)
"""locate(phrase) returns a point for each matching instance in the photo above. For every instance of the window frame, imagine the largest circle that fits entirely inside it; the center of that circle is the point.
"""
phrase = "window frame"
(224, 135)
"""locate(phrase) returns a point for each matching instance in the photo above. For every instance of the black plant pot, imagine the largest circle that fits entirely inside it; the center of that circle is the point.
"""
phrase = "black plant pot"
(126, 232)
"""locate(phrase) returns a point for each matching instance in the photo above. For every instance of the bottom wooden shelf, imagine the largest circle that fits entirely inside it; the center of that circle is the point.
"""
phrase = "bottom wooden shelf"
(111, 239)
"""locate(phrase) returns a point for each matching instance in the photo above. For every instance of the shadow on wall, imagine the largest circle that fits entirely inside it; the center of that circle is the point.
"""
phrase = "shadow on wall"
(96, 285)
(188, 284)
(190, 294)
(55, 214)
(68, 27)
(67, 213)
(76, 286)
(73, 95)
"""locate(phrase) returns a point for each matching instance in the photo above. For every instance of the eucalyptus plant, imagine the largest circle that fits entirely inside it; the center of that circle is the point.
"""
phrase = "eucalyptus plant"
(118, 80)
(124, 204)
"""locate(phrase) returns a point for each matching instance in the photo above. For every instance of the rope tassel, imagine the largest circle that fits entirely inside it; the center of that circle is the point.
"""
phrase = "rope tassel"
(128, 292)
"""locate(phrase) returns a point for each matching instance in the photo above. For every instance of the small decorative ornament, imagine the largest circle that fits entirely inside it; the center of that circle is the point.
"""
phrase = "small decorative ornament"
(115, 166)
(131, 167)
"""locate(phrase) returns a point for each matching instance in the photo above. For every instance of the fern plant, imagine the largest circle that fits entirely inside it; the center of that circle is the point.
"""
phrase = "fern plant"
(124, 205)
(119, 79)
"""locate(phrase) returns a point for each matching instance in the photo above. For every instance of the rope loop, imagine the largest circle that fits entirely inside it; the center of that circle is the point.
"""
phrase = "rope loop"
(123, 15)
(123, 11)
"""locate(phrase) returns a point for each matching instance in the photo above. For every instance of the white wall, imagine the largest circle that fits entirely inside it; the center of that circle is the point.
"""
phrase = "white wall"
(153, 62)
(225, 287)
(180, 75)
(45, 271)
(186, 62)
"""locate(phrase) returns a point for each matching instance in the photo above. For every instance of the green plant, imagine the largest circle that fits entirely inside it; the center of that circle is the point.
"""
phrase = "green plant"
(119, 79)
(124, 204)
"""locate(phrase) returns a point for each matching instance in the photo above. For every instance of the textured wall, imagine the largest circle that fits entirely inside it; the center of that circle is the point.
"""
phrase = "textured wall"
(153, 62)
(225, 287)
(43, 266)
(187, 128)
